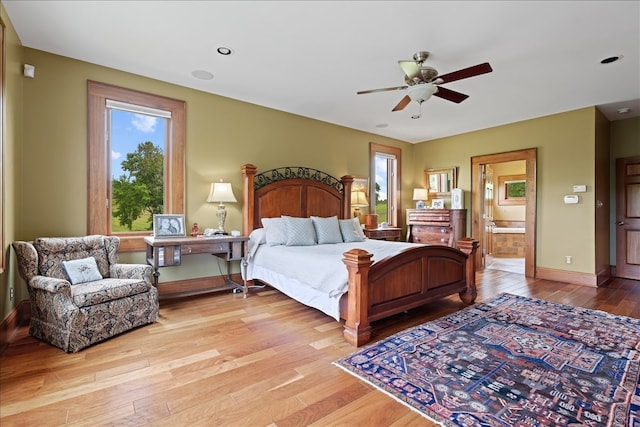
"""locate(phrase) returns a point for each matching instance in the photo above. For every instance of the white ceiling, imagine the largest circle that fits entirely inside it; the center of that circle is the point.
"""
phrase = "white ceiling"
(311, 57)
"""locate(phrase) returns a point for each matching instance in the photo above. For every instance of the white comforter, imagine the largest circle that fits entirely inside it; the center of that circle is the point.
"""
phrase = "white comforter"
(314, 275)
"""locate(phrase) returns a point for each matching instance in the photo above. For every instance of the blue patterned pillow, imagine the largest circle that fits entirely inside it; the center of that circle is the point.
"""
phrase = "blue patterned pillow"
(351, 230)
(82, 270)
(275, 231)
(300, 231)
(327, 229)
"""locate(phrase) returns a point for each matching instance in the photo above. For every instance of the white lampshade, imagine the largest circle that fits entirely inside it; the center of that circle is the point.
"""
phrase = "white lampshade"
(221, 192)
(358, 199)
(420, 194)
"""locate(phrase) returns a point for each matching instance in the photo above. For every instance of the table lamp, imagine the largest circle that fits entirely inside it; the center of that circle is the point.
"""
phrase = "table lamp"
(358, 200)
(420, 195)
(221, 193)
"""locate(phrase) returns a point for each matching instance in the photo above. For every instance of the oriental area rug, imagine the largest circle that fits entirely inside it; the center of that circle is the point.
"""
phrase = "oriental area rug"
(512, 361)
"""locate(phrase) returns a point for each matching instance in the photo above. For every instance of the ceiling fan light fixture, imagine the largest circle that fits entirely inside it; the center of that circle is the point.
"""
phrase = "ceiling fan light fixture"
(422, 92)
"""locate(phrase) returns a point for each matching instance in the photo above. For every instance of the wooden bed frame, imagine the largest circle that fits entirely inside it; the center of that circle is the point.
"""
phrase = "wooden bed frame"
(390, 286)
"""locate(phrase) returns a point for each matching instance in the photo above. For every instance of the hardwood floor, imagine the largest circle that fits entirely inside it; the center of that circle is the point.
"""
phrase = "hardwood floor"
(221, 360)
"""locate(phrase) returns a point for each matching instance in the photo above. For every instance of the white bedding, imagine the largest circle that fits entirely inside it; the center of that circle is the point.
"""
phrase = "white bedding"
(313, 275)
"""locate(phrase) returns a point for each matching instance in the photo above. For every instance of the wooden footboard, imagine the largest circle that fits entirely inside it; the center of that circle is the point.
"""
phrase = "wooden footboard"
(395, 284)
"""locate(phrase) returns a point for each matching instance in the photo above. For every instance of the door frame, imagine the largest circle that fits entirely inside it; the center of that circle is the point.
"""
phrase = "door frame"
(477, 202)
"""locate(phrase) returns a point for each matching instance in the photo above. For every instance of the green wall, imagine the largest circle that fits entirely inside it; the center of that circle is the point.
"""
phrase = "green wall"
(12, 135)
(565, 144)
(222, 135)
(46, 176)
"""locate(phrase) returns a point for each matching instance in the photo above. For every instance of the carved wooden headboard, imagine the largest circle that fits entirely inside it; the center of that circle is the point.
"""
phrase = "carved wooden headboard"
(294, 191)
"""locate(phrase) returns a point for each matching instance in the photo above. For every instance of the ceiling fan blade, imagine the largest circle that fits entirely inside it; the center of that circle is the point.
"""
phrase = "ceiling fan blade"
(450, 95)
(411, 69)
(466, 72)
(382, 90)
(403, 103)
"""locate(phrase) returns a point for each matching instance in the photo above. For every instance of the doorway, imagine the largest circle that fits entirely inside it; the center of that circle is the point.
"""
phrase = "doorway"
(628, 217)
(504, 216)
(480, 223)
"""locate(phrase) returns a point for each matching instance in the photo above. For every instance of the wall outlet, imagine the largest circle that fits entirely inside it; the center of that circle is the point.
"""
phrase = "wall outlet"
(568, 259)
(10, 294)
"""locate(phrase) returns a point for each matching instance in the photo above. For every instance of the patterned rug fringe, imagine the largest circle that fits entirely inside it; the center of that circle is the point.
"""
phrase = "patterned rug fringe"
(389, 394)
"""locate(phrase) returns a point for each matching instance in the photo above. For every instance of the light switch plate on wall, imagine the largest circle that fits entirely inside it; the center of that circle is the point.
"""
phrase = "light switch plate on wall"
(579, 188)
(570, 199)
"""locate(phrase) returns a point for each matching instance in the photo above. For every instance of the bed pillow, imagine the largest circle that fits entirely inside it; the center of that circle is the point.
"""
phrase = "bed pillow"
(327, 229)
(351, 230)
(275, 231)
(300, 231)
(256, 238)
(82, 270)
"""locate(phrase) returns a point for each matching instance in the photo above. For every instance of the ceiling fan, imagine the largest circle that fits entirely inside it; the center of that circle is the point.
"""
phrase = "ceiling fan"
(423, 82)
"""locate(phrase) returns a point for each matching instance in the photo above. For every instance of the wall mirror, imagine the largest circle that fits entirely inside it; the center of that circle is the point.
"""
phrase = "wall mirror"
(440, 181)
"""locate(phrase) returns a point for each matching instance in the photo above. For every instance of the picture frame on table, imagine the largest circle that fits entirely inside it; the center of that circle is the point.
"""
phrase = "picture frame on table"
(437, 203)
(168, 225)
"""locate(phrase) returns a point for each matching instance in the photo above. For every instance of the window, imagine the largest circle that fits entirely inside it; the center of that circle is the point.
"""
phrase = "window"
(385, 185)
(512, 190)
(106, 106)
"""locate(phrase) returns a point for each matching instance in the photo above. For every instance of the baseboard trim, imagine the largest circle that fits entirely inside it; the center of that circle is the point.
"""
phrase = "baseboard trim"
(604, 276)
(19, 316)
(585, 279)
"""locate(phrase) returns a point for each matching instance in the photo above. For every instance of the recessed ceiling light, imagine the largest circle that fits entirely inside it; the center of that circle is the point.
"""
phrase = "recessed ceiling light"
(202, 75)
(224, 50)
(624, 110)
(611, 59)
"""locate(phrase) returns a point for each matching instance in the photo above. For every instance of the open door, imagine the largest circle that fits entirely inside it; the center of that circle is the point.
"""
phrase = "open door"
(478, 164)
(628, 217)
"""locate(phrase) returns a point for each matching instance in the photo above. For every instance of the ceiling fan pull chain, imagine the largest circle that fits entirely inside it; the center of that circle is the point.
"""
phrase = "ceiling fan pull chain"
(417, 116)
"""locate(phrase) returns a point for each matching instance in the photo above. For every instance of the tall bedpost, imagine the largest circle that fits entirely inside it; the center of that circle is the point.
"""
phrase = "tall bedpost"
(357, 329)
(248, 175)
(347, 180)
(469, 246)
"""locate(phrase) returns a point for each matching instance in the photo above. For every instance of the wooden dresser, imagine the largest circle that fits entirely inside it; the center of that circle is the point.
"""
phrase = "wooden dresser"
(436, 226)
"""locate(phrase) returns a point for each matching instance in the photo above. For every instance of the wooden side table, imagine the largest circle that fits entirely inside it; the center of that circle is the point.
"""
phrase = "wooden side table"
(388, 233)
(168, 252)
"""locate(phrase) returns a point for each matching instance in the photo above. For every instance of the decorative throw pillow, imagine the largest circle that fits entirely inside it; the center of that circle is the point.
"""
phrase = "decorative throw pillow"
(351, 230)
(82, 270)
(327, 229)
(300, 231)
(275, 230)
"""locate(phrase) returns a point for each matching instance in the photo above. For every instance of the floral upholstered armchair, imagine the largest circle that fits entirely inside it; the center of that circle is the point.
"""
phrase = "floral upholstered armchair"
(80, 294)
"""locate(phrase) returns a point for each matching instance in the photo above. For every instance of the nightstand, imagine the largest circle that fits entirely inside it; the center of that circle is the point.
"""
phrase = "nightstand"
(168, 252)
(388, 233)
